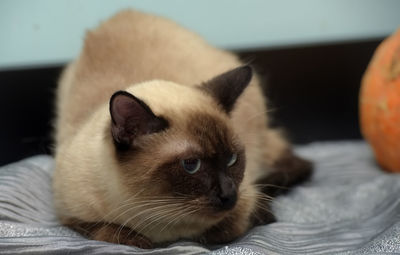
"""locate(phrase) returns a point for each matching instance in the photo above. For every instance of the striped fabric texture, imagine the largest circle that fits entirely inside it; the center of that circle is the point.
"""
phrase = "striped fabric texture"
(349, 206)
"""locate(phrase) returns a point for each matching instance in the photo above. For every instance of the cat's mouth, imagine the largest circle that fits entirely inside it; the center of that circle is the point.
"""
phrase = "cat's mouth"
(217, 206)
(224, 202)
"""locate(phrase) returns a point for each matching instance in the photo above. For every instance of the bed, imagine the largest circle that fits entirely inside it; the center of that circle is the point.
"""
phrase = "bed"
(349, 206)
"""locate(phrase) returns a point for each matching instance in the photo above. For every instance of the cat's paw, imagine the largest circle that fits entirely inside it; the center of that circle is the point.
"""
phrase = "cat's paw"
(122, 235)
(288, 171)
(109, 232)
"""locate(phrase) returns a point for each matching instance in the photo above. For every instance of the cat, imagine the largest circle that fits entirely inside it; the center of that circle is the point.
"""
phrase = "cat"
(160, 136)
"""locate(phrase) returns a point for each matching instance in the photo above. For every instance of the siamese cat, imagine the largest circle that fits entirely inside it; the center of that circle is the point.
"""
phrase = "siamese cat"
(160, 136)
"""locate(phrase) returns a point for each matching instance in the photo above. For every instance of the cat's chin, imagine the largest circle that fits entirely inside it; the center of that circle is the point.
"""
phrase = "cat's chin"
(213, 213)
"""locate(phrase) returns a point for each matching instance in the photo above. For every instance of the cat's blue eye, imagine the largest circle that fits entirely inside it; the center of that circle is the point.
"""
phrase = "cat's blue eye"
(232, 160)
(191, 165)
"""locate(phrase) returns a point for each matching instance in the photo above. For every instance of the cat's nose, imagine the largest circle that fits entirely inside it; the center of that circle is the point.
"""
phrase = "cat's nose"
(228, 193)
(227, 201)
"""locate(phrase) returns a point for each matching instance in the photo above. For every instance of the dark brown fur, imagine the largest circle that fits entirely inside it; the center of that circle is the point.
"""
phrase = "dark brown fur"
(289, 170)
(123, 166)
(227, 100)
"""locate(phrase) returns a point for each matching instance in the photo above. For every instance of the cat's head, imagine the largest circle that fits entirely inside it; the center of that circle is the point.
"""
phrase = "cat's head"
(175, 144)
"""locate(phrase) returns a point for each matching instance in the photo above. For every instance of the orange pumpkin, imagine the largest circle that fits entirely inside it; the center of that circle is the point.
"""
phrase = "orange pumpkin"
(380, 103)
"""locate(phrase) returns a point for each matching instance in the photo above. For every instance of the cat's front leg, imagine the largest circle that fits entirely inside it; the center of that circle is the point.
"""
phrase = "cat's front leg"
(288, 171)
(113, 233)
(284, 170)
(283, 167)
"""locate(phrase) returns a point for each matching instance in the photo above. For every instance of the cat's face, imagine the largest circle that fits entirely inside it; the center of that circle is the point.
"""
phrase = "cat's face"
(209, 168)
(187, 159)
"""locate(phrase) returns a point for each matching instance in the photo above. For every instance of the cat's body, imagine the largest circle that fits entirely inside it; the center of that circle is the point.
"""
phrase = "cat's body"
(105, 178)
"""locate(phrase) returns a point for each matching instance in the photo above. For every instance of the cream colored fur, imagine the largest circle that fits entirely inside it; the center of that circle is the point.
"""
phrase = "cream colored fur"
(158, 62)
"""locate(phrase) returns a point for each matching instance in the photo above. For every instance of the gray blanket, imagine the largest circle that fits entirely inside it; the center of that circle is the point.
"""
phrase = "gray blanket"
(349, 207)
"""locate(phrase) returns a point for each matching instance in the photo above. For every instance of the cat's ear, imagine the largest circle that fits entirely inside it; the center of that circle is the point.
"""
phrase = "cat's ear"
(130, 118)
(227, 87)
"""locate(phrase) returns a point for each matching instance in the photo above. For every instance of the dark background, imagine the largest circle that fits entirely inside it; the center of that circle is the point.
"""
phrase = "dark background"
(313, 91)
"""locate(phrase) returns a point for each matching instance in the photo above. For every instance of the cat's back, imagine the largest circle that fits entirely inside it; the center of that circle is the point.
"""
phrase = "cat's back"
(132, 47)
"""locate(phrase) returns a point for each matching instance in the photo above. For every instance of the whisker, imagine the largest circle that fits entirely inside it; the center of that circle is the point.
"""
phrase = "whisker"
(148, 210)
(156, 216)
(166, 214)
(177, 219)
(270, 185)
(101, 221)
(135, 205)
(260, 113)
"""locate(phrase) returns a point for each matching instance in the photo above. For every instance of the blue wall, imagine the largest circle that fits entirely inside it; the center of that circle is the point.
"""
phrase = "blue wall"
(43, 32)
